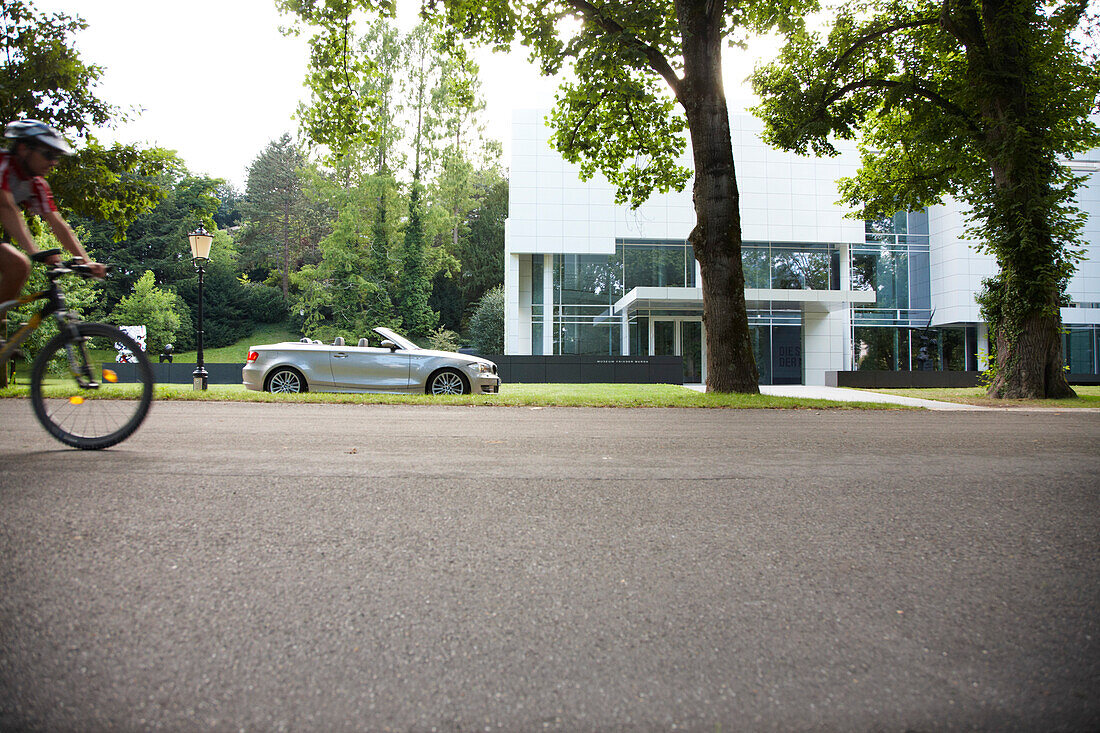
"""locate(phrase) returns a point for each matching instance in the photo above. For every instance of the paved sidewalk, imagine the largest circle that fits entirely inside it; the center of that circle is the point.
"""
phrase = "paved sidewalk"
(844, 394)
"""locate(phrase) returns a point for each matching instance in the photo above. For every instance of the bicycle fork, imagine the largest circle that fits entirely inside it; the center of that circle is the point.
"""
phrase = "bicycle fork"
(79, 364)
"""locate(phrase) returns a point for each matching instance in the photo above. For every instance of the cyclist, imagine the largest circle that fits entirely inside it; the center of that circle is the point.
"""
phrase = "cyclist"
(34, 151)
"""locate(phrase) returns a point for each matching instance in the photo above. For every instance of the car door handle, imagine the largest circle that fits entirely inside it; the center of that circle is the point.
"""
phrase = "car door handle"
(339, 355)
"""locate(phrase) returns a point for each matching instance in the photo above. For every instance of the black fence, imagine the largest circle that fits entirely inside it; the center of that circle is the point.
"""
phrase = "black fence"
(567, 369)
(512, 370)
(180, 373)
(871, 379)
(614, 370)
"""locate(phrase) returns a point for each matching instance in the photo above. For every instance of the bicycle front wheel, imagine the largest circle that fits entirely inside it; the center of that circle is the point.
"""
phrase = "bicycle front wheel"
(82, 404)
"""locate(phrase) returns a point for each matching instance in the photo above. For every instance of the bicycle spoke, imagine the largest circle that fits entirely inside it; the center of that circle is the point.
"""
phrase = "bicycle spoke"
(88, 411)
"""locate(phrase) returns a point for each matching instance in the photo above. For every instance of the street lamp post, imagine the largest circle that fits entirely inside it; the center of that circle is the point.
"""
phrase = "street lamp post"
(200, 241)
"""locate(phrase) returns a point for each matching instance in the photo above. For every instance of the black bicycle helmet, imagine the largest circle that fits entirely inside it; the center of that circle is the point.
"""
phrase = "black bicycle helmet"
(37, 131)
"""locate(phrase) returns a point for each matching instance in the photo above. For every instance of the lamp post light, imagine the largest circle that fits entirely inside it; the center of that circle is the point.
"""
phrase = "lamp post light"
(200, 241)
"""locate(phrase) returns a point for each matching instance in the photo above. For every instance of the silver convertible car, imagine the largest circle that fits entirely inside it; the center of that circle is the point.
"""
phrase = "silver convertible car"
(385, 362)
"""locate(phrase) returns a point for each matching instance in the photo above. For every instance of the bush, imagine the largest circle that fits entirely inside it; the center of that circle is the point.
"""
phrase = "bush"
(487, 323)
(153, 308)
(266, 304)
(443, 340)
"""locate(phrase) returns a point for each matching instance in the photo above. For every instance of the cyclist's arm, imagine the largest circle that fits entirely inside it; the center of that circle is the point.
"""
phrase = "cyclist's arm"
(65, 235)
(14, 224)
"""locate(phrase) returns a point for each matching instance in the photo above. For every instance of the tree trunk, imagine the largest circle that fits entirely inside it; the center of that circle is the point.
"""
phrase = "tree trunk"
(286, 251)
(716, 238)
(1030, 366)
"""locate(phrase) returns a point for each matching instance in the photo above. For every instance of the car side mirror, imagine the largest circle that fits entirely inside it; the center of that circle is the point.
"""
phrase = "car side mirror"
(387, 344)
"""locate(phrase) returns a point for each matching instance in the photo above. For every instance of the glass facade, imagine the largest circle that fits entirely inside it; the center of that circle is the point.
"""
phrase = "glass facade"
(1081, 349)
(586, 287)
(895, 334)
(891, 334)
(538, 319)
(893, 262)
(777, 346)
(910, 349)
(791, 266)
(664, 265)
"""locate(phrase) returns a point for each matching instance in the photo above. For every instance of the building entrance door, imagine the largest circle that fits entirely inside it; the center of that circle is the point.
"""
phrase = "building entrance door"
(680, 337)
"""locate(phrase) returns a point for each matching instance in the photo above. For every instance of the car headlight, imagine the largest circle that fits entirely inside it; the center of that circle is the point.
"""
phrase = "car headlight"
(483, 369)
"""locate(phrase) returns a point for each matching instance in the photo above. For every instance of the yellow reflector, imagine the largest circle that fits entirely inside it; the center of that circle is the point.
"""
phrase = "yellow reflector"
(109, 376)
(76, 400)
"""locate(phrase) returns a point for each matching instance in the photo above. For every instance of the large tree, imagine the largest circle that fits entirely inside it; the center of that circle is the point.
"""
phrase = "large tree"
(645, 72)
(976, 99)
(42, 76)
(280, 221)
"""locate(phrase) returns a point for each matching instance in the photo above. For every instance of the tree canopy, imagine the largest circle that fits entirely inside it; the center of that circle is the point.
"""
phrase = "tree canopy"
(402, 163)
(979, 101)
(42, 76)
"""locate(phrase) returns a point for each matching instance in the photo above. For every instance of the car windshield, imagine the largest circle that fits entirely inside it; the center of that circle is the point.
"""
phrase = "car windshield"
(401, 341)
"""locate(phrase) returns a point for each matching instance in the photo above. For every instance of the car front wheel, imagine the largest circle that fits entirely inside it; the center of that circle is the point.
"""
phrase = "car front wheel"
(286, 381)
(447, 382)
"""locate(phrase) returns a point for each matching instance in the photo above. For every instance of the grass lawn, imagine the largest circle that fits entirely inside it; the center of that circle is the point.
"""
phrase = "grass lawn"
(267, 333)
(534, 395)
(1087, 396)
(235, 354)
(512, 395)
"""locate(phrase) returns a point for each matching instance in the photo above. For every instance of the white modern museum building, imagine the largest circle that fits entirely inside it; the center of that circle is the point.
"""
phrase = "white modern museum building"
(825, 293)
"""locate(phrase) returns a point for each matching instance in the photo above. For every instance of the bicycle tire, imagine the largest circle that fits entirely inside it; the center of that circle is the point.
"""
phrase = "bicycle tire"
(89, 418)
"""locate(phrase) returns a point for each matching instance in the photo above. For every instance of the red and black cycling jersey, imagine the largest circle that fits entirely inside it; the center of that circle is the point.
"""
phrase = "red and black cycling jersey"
(30, 192)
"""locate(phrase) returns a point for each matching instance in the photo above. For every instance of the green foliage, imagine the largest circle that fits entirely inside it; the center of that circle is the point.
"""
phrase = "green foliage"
(228, 314)
(623, 116)
(348, 290)
(989, 375)
(481, 246)
(337, 76)
(646, 73)
(443, 339)
(414, 282)
(617, 123)
(149, 306)
(42, 71)
(974, 102)
(487, 323)
(478, 250)
(390, 239)
(230, 200)
(265, 304)
(116, 184)
(157, 240)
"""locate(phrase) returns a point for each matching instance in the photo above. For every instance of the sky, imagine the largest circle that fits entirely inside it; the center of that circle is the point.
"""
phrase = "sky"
(216, 81)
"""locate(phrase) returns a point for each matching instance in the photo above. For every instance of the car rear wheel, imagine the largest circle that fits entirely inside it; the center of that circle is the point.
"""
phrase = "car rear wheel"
(286, 381)
(447, 381)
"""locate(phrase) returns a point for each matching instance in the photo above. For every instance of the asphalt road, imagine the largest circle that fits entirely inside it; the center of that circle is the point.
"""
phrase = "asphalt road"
(323, 567)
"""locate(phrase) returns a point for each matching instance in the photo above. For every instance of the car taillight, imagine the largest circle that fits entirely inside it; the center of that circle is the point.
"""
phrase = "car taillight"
(252, 356)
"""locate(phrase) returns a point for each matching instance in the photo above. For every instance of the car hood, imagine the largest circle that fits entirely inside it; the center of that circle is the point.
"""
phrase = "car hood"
(450, 355)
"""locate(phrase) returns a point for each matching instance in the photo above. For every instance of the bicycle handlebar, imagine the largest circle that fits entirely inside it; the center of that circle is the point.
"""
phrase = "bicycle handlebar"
(75, 266)
(79, 267)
